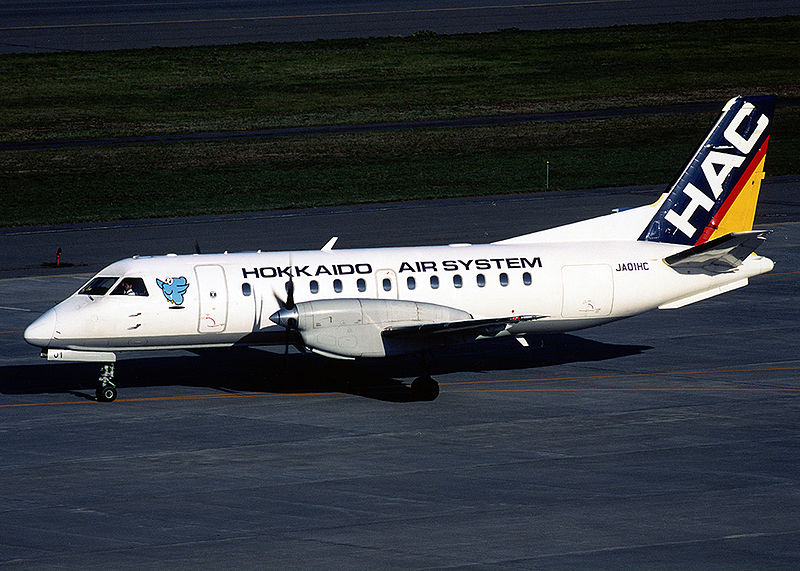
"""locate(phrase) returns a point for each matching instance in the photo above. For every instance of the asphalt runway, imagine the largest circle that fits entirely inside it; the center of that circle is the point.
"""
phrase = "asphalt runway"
(69, 25)
(665, 441)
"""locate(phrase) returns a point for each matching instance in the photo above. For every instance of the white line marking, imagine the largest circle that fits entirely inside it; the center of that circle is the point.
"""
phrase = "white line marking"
(15, 308)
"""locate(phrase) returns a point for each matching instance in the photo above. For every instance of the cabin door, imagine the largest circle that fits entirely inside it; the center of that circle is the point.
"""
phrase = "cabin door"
(588, 291)
(213, 292)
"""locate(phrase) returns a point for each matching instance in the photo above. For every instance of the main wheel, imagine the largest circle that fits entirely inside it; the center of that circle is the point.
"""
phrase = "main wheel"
(106, 394)
(425, 388)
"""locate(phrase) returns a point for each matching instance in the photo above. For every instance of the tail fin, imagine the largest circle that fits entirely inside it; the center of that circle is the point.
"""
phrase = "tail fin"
(716, 193)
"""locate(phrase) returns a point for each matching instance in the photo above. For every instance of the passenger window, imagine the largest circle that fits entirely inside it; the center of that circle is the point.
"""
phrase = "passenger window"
(387, 284)
(337, 285)
(457, 281)
(411, 282)
(526, 278)
(130, 286)
(434, 282)
(481, 280)
(98, 286)
(361, 284)
(504, 279)
(313, 285)
(246, 289)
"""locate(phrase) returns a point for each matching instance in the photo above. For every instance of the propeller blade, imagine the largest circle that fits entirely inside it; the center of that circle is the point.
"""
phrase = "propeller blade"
(289, 293)
(287, 303)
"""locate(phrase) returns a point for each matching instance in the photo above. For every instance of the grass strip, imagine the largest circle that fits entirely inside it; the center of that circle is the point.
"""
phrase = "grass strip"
(166, 180)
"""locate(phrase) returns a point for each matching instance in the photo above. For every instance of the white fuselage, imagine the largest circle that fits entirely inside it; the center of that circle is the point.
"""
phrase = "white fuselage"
(230, 297)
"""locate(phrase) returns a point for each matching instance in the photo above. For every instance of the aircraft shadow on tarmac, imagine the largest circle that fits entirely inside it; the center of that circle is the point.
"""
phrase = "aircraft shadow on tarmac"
(245, 369)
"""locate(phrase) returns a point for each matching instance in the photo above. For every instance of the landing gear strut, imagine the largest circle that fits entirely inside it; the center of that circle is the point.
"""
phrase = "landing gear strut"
(425, 388)
(106, 389)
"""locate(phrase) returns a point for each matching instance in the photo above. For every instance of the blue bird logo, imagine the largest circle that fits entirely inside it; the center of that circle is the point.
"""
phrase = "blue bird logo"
(174, 288)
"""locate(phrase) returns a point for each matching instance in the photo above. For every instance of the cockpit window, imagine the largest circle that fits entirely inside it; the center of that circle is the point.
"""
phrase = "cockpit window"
(130, 286)
(98, 286)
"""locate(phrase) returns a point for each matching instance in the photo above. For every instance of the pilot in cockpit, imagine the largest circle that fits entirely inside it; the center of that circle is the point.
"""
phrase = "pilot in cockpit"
(130, 286)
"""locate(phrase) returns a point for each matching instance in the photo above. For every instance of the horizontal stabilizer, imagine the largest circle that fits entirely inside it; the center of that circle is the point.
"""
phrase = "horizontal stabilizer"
(720, 254)
(478, 327)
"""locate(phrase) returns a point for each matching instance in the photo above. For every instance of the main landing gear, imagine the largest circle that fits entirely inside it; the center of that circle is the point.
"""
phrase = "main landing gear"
(425, 388)
(106, 389)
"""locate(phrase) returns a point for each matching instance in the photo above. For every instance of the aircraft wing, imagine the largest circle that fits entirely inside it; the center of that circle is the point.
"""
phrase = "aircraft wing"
(720, 254)
(350, 328)
(478, 327)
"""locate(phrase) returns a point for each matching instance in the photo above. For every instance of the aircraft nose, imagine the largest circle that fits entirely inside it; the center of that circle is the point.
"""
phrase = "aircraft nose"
(40, 332)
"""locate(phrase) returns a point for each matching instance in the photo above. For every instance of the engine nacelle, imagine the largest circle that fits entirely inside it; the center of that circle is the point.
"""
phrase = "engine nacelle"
(349, 328)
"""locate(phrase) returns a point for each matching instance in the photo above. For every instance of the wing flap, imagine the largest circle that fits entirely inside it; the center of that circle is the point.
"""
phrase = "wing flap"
(720, 254)
(487, 327)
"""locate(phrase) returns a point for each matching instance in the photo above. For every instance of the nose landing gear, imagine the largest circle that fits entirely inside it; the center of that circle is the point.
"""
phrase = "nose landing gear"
(106, 389)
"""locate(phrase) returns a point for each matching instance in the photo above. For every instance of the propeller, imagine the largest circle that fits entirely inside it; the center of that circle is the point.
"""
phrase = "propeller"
(287, 315)
(290, 293)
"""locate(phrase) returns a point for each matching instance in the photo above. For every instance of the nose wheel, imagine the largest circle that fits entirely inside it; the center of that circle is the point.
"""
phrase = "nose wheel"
(106, 389)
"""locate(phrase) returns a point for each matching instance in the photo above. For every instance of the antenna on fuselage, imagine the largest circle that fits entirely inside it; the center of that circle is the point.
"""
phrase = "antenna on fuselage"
(329, 244)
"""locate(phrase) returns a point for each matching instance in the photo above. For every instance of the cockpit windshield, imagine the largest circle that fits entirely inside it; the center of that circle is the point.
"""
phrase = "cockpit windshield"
(130, 286)
(98, 286)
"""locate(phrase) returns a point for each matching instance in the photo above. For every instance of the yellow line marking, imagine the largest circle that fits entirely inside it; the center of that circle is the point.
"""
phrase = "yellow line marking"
(622, 390)
(322, 15)
(181, 397)
(624, 376)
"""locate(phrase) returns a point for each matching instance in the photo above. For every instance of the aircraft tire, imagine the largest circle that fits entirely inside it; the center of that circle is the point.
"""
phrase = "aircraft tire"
(106, 394)
(425, 388)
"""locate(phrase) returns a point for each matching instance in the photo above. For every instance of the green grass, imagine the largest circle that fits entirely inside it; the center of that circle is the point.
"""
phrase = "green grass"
(136, 92)
(164, 180)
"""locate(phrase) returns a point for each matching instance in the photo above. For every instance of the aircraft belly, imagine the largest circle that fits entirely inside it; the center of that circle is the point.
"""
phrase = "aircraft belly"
(151, 342)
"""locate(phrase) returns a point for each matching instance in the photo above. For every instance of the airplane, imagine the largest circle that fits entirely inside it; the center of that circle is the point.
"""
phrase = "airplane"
(695, 242)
